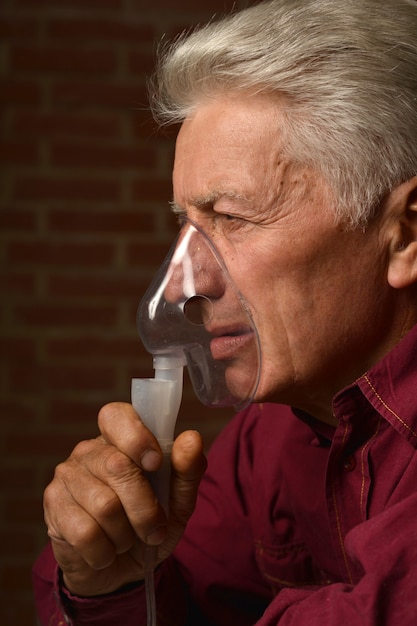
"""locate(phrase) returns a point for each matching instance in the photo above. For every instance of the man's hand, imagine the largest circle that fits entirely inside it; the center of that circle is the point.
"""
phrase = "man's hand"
(100, 509)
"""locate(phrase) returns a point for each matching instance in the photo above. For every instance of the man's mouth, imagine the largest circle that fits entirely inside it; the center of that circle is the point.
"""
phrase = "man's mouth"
(227, 343)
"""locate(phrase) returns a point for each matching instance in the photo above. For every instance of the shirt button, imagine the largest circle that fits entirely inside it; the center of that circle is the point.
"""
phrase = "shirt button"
(349, 463)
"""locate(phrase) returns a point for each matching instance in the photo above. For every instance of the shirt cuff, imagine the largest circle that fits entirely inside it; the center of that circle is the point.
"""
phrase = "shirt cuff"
(126, 606)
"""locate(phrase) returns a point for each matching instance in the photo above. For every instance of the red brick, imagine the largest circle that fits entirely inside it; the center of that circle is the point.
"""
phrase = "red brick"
(87, 221)
(17, 349)
(170, 224)
(19, 609)
(18, 153)
(97, 348)
(72, 59)
(145, 127)
(123, 30)
(12, 478)
(140, 61)
(17, 221)
(16, 283)
(115, 157)
(17, 543)
(12, 28)
(19, 92)
(58, 316)
(120, 285)
(11, 575)
(41, 252)
(64, 411)
(86, 5)
(207, 8)
(69, 189)
(133, 310)
(148, 255)
(153, 191)
(63, 378)
(100, 95)
(16, 410)
(66, 124)
(19, 510)
(140, 369)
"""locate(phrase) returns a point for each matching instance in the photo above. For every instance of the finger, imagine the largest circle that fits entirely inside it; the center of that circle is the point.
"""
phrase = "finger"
(188, 467)
(139, 501)
(125, 503)
(83, 580)
(88, 544)
(75, 534)
(76, 485)
(121, 426)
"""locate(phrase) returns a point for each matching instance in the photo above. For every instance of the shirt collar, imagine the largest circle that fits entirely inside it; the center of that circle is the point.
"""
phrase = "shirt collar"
(391, 387)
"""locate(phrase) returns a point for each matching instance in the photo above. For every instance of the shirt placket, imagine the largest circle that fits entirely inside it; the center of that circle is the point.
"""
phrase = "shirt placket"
(347, 489)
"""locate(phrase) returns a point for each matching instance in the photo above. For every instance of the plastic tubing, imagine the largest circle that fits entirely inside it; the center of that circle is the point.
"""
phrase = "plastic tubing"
(157, 401)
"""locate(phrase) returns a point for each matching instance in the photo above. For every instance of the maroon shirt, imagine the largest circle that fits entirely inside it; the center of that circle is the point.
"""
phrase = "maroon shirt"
(297, 523)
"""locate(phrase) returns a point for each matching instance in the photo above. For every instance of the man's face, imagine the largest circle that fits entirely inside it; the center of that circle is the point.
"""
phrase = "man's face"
(317, 292)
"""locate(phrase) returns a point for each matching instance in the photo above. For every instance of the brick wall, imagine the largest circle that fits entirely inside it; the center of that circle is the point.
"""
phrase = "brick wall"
(85, 181)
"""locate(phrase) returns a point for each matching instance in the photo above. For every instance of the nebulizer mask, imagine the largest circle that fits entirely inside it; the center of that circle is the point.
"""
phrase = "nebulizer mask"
(192, 315)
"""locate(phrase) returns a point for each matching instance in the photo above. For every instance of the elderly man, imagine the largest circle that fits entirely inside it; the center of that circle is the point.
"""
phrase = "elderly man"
(297, 157)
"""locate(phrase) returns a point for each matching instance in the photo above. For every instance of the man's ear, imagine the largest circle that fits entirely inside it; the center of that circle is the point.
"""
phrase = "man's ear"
(402, 270)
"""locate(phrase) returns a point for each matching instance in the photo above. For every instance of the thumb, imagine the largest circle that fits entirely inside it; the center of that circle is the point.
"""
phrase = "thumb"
(188, 467)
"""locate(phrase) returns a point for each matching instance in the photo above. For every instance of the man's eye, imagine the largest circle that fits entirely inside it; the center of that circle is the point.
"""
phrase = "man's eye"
(234, 219)
(228, 217)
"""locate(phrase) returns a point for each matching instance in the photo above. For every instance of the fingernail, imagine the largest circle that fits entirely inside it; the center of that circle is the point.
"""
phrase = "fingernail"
(150, 460)
(157, 536)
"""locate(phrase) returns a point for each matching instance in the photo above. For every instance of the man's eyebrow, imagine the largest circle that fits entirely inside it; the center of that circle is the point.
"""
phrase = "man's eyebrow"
(176, 208)
(201, 202)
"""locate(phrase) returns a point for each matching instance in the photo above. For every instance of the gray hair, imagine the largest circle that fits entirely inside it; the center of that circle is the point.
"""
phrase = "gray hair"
(347, 70)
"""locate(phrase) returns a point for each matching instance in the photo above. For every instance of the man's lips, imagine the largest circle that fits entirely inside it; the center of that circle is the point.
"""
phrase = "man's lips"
(227, 343)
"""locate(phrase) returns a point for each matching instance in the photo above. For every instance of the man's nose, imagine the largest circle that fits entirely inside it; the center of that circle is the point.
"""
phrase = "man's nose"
(194, 270)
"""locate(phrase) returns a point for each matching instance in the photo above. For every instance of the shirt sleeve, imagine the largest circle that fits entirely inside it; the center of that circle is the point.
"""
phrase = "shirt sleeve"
(57, 607)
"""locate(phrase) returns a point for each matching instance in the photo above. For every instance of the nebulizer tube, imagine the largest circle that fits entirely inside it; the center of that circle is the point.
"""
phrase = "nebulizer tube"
(192, 315)
(157, 401)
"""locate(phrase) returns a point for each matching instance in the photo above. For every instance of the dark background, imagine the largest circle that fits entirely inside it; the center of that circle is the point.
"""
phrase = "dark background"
(85, 182)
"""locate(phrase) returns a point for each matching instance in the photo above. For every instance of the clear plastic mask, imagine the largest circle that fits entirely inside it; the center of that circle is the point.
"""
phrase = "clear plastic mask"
(193, 311)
